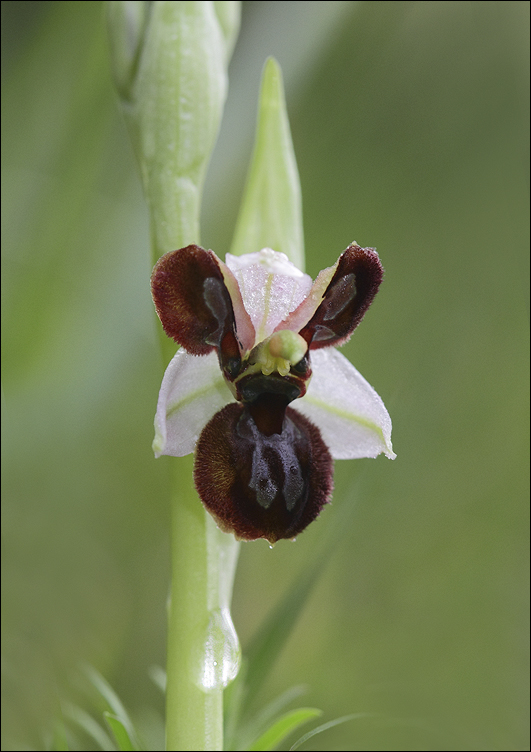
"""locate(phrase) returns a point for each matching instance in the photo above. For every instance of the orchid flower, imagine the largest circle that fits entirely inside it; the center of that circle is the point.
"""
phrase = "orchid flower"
(258, 390)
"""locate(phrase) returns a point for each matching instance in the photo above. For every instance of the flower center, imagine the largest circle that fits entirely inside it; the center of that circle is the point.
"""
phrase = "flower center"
(279, 352)
(277, 366)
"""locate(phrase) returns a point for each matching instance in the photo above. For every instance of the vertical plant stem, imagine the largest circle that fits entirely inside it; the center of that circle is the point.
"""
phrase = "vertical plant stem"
(170, 62)
(203, 649)
(194, 716)
(170, 67)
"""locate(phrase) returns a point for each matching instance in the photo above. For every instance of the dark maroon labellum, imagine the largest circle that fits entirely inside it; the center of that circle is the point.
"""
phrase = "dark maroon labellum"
(262, 486)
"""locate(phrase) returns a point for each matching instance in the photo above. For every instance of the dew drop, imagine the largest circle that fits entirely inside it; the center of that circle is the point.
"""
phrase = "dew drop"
(219, 639)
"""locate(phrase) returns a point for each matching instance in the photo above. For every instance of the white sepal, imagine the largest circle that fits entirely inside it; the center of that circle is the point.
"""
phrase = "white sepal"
(352, 418)
(193, 390)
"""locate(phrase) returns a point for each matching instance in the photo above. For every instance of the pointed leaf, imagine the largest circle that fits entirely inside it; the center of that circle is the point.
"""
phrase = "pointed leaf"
(120, 732)
(271, 210)
(59, 742)
(284, 726)
(266, 714)
(326, 726)
(108, 693)
(242, 737)
(90, 726)
(272, 636)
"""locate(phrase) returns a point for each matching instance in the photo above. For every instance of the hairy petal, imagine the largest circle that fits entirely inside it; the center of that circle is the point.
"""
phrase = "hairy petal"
(193, 302)
(262, 486)
(193, 390)
(352, 418)
(339, 298)
(271, 287)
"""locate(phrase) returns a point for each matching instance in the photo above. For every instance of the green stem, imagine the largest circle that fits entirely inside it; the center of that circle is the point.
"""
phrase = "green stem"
(193, 716)
(203, 651)
(170, 67)
(169, 63)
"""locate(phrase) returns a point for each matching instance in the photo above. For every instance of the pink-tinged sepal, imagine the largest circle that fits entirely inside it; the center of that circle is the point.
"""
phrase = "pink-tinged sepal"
(259, 485)
(349, 293)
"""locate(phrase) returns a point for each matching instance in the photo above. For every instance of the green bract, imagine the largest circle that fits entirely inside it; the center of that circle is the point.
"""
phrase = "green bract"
(271, 211)
(170, 65)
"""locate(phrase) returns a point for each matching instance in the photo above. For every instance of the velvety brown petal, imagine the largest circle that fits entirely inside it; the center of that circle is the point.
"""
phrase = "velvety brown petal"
(262, 486)
(194, 305)
(355, 282)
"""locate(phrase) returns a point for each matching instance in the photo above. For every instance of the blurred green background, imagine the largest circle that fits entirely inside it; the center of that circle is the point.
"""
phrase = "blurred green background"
(410, 125)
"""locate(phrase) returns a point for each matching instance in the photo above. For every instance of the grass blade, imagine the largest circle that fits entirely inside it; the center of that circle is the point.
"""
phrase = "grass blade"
(268, 643)
(284, 726)
(119, 713)
(241, 737)
(120, 732)
(328, 725)
(90, 726)
(59, 742)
